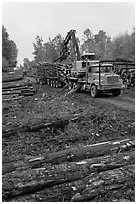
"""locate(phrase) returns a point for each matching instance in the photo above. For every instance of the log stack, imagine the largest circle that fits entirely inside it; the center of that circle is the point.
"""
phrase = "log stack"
(15, 87)
(75, 174)
(11, 76)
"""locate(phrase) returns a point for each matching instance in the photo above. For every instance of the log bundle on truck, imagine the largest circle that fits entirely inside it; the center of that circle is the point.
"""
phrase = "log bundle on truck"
(87, 73)
(54, 74)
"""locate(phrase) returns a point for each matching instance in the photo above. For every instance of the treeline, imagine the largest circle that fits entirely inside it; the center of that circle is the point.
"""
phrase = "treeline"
(9, 52)
(121, 47)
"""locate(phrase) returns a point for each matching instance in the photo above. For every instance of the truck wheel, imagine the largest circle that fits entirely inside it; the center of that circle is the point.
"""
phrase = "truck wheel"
(49, 82)
(94, 91)
(116, 92)
(53, 83)
(70, 85)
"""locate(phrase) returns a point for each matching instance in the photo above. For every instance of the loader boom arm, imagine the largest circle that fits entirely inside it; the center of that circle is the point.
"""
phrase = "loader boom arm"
(65, 50)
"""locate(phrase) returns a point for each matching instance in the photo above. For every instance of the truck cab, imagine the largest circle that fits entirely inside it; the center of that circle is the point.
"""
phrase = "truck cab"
(102, 79)
(96, 76)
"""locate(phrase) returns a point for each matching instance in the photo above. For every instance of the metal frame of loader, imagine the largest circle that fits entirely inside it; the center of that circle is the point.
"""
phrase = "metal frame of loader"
(128, 68)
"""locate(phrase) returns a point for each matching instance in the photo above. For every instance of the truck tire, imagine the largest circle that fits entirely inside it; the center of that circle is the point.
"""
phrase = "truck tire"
(70, 85)
(49, 82)
(116, 92)
(53, 83)
(94, 91)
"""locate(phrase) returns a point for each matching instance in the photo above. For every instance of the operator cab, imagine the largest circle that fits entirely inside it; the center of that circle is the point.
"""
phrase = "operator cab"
(88, 56)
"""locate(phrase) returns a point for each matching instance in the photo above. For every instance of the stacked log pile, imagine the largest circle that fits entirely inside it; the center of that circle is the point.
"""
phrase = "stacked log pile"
(53, 73)
(11, 76)
(15, 87)
(75, 174)
(126, 71)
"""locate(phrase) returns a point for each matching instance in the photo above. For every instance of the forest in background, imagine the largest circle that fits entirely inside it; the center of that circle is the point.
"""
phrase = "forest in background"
(104, 47)
(9, 52)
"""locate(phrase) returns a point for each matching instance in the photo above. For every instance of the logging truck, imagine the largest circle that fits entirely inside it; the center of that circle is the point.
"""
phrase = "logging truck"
(95, 76)
(86, 73)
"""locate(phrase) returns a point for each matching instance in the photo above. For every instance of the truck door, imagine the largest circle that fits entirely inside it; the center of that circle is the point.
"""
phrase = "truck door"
(90, 74)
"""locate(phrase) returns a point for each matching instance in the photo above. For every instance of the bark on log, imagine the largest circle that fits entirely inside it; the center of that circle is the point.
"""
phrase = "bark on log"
(89, 151)
(11, 99)
(9, 96)
(12, 79)
(23, 88)
(105, 171)
(102, 162)
(11, 92)
(74, 191)
(26, 91)
(104, 182)
(16, 85)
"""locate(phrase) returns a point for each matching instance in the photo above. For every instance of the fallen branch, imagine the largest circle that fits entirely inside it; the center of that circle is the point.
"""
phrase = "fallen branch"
(38, 125)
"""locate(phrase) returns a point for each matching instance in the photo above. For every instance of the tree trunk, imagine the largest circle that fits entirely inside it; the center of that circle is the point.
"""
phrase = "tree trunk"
(12, 79)
(28, 181)
(11, 92)
(5, 99)
(23, 88)
(16, 85)
(89, 151)
(38, 125)
(102, 183)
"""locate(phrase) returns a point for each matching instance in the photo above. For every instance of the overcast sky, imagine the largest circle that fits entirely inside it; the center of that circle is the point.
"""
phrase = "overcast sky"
(25, 20)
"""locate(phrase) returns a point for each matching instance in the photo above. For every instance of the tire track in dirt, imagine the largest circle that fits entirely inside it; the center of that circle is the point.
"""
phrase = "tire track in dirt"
(121, 101)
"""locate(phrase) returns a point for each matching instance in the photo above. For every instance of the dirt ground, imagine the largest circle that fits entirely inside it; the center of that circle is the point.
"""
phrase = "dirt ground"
(102, 119)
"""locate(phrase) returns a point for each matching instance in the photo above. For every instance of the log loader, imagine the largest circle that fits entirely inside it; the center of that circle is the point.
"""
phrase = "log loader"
(90, 74)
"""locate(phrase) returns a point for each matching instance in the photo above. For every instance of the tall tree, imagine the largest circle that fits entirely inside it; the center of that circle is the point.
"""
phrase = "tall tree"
(38, 49)
(124, 46)
(89, 42)
(102, 44)
(47, 51)
(9, 50)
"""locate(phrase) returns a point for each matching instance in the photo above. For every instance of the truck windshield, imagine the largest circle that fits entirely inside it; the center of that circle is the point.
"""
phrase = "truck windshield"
(104, 69)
